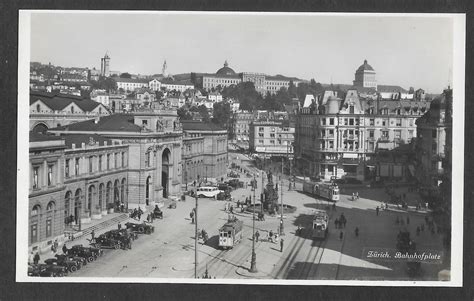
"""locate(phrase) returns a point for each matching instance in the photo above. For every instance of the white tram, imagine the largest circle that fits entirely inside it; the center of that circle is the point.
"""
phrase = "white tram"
(320, 225)
(329, 191)
(230, 234)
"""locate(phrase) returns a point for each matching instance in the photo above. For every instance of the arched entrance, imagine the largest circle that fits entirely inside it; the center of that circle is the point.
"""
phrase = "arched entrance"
(90, 198)
(101, 196)
(40, 128)
(67, 207)
(165, 161)
(148, 189)
(117, 193)
(108, 194)
(77, 205)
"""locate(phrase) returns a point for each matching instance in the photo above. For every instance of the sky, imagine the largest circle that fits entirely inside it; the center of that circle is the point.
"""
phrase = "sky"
(410, 51)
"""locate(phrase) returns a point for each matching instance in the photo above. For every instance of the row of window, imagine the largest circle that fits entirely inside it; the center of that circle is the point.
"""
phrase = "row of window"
(119, 160)
(35, 212)
(37, 177)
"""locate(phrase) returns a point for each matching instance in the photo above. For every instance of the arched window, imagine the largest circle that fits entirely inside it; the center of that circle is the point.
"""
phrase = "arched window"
(36, 210)
(38, 108)
(90, 196)
(108, 193)
(72, 109)
(51, 205)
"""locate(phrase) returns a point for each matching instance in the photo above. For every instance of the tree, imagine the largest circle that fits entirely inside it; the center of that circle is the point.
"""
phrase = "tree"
(105, 83)
(184, 114)
(291, 90)
(221, 115)
(125, 75)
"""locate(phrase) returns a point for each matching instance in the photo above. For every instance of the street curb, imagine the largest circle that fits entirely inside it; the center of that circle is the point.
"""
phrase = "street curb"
(244, 272)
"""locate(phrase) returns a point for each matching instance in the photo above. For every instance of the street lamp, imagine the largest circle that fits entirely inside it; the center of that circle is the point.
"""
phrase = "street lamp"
(253, 262)
(196, 238)
(281, 210)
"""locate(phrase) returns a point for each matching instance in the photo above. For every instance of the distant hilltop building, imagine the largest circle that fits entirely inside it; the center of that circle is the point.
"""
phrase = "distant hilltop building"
(105, 65)
(226, 76)
(365, 76)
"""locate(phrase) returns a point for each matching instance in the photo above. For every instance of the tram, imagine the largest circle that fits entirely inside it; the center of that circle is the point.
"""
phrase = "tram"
(230, 233)
(329, 191)
(320, 225)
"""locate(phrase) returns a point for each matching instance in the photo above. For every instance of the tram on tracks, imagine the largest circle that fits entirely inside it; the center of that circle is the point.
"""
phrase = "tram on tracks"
(329, 191)
(320, 228)
(230, 233)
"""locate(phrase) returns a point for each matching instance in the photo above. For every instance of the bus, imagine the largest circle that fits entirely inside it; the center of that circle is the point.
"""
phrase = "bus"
(320, 225)
(329, 191)
(207, 192)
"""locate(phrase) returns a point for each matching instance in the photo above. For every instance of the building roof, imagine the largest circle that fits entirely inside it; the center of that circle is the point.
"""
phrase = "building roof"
(225, 70)
(111, 123)
(58, 102)
(194, 125)
(131, 80)
(78, 139)
(390, 88)
(38, 137)
(168, 81)
(365, 67)
(281, 77)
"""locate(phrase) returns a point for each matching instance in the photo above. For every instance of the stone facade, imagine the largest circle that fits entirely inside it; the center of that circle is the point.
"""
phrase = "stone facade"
(338, 137)
(272, 138)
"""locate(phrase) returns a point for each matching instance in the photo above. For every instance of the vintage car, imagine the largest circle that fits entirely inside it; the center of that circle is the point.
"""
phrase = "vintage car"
(71, 264)
(140, 228)
(46, 270)
(105, 242)
(89, 253)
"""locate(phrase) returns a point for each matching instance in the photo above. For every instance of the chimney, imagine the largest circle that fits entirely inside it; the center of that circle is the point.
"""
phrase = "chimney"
(96, 120)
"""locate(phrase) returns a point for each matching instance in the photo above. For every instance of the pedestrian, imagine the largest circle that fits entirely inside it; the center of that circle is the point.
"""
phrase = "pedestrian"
(408, 220)
(281, 245)
(119, 226)
(232, 209)
(64, 249)
(341, 235)
(36, 259)
(270, 236)
(356, 232)
(31, 257)
(257, 235)
(336, 223)
(334, 206)
(377, 210)
(357, 195)
(191, 215)
(148, 217)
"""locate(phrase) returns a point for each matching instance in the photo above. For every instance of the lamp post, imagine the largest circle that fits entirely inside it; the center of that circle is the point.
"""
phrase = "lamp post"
(196, 238)
(253, 262)
(281, 198)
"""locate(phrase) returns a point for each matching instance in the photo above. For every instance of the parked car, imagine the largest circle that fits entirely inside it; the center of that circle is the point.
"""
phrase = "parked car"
(141, 228)
(46, 270)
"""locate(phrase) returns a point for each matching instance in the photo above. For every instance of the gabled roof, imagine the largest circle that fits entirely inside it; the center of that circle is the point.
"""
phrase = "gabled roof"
(58, 102)
(194, 125)
(111, 123)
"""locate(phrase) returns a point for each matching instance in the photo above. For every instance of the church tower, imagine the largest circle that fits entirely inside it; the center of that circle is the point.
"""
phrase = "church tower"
(105, 65)
(163, 70)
